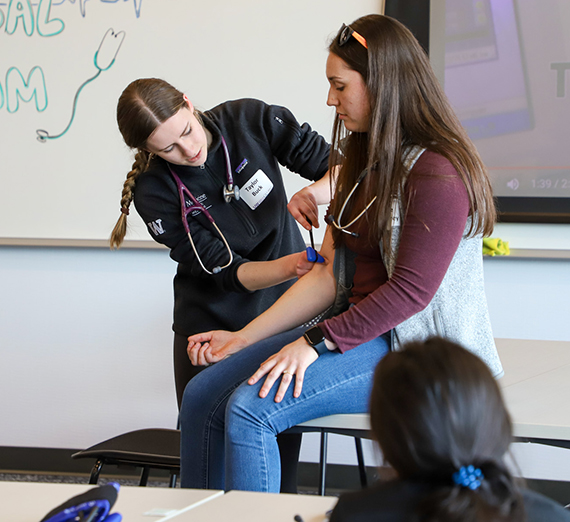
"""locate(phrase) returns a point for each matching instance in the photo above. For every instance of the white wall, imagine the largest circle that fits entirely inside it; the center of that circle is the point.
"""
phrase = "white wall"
(85, 344)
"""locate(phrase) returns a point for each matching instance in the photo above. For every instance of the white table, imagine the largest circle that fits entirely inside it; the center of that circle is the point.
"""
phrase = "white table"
(536, 388)
(31, 501)
(245, 506)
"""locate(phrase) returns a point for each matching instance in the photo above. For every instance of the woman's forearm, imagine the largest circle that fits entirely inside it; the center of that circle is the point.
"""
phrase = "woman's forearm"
(255, 275)
(307, 298)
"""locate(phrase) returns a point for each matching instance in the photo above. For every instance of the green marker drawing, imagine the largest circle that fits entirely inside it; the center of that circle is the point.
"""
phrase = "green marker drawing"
(113, 42)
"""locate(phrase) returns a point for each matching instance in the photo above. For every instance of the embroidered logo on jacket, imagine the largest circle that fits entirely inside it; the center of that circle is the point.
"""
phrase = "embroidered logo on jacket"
(156, 227)
(201, 199)
(242, 165)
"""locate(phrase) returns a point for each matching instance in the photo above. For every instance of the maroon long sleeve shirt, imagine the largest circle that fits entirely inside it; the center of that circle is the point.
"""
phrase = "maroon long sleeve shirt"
(431, 231)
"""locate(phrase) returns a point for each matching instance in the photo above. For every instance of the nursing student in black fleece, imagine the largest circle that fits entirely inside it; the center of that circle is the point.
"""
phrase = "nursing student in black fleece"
(265, 252)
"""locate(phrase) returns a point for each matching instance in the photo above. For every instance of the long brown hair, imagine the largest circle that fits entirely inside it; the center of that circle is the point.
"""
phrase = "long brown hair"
(407, 107)
(142, 107)
(436, 407)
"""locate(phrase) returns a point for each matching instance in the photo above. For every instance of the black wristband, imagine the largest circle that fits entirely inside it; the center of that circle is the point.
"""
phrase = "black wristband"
(315, 337)
(320, 348)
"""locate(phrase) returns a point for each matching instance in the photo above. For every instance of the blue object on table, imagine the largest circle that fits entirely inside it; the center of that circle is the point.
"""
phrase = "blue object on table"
(91, 506)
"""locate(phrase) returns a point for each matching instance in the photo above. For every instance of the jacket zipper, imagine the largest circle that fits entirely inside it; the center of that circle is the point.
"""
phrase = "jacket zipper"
(234, 205)
(244, 218)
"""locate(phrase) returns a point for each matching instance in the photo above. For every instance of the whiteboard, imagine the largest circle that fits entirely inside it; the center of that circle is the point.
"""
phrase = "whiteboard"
(64, 63)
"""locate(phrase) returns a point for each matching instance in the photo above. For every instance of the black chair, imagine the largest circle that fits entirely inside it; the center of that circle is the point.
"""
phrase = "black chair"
(159, 448)
(152, 448)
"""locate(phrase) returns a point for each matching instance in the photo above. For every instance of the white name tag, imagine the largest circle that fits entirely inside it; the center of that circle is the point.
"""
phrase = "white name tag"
(256, 189)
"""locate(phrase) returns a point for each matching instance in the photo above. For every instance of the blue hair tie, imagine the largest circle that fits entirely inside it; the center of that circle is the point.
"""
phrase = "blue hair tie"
(468, 477)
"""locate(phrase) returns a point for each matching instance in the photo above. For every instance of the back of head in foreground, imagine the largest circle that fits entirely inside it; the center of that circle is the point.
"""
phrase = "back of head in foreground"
(439, 417)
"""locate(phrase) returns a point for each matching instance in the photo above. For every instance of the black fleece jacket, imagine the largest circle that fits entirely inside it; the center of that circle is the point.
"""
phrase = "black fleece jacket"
(258, 137)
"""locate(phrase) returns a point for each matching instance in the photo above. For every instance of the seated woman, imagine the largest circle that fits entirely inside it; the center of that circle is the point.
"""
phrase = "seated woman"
(440, 420)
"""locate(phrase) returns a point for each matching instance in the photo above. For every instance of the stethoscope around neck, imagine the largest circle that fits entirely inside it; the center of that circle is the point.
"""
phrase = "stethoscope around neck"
(330, 219)
(230, 191)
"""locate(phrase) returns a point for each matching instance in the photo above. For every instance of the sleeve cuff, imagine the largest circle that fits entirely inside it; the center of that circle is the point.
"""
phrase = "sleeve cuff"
(331, 346)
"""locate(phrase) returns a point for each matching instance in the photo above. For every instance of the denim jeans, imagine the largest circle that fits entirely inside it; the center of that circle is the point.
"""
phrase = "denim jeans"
(229, 432)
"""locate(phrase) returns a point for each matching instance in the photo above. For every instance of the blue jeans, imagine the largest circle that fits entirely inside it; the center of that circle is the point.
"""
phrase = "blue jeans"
(229, 432)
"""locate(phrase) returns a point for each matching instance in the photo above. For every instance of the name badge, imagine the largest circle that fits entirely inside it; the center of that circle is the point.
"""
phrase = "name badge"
(256, 189)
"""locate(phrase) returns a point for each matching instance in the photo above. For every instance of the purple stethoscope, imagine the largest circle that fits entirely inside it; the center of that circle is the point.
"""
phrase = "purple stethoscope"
(230, 191)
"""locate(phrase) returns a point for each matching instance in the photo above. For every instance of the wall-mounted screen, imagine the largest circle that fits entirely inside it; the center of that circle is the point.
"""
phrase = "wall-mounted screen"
(506, 70)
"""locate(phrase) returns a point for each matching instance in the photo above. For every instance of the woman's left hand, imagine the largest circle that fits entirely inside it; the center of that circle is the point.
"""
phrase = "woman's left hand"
(210, 347)
(303, 205)
(292, 360)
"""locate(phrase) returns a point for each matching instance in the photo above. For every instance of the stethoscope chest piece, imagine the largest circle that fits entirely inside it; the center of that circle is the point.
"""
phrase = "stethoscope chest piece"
(231, 192)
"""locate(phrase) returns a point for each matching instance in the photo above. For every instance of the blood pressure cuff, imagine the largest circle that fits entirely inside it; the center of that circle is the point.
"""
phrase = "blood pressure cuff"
(93, 505)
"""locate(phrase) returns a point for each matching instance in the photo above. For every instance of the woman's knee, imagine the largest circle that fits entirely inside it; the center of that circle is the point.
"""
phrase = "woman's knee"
(245, 410)
(198, 398)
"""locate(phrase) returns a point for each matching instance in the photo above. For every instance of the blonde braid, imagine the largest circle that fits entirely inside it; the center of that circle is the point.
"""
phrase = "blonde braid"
(141, 163)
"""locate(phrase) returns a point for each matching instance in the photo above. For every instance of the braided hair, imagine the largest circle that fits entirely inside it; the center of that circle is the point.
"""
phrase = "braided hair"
(143, 106)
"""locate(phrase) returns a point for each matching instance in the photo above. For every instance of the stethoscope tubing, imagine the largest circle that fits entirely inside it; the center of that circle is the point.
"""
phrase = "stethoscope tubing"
(331, 220)
(230, 191)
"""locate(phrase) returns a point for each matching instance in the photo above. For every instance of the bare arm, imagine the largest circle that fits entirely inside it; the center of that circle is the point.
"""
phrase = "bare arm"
(305, 203)
(255, 275)
(308, 297)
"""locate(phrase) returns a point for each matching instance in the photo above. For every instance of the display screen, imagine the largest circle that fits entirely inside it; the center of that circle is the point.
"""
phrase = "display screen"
(507, 74)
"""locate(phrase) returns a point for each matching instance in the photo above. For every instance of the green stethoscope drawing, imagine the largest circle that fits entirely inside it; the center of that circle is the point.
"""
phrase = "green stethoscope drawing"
(110, 38)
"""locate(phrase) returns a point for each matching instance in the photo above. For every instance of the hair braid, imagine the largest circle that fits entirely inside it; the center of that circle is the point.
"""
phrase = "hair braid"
(141, 163)
(145, 104)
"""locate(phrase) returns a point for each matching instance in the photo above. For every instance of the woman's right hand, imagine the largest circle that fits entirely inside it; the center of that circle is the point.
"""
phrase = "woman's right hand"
(210, 347)
(303, 265)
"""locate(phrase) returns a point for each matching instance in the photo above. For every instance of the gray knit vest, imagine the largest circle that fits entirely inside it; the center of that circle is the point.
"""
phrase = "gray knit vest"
(458, 310)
